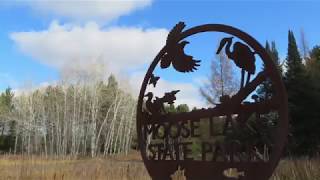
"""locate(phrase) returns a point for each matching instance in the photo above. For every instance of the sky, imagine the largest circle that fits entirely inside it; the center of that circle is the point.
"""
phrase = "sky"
(42, 42)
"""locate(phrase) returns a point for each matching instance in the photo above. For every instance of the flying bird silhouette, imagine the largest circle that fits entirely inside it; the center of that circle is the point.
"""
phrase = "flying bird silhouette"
(170, 97)
(153, 80)
(175, 52)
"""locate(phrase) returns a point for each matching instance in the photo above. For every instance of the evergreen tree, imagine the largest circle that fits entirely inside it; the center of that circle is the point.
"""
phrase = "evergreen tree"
(295, 68)
(313, 64)
(302, 103)
(108, 93)
(313, 71)
(265, 90)
(7, 128)
(275, 56)
(112, 82)
(6, 100)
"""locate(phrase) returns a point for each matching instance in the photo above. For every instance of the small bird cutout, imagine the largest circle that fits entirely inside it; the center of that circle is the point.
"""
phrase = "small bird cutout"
(157, 106)
(153, 80)
(175, 52)
(170, 97)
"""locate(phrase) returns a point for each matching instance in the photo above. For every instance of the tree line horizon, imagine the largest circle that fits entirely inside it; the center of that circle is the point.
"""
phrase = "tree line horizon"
(99, 119)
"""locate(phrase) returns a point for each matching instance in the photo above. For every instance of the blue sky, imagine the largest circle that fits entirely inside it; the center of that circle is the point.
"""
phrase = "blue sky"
(26, 56)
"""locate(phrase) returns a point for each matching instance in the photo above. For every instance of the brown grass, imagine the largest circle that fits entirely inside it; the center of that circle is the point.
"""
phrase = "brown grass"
(35, 167)
(120, 168)
(298, 169)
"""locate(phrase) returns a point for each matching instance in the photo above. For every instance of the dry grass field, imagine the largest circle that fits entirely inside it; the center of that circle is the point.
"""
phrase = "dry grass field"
(120, 168)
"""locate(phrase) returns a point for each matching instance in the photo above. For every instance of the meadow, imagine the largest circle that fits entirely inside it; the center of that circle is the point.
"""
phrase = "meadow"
(121, 167)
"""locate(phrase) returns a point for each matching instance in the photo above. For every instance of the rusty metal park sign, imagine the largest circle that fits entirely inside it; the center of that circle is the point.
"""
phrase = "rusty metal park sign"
(241, 137)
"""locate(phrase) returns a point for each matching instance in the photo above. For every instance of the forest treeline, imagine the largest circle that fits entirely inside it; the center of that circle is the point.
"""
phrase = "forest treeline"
(98, 118)
(75, 119)
(82, 118)
(301, 73)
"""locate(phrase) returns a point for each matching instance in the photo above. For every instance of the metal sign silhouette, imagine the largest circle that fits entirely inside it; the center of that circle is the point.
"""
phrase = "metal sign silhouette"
(252, 134)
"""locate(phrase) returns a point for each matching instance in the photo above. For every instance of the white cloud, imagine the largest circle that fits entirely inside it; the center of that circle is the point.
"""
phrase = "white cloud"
(77, 50)
(83, 50)
(90, 48)
(105, 10)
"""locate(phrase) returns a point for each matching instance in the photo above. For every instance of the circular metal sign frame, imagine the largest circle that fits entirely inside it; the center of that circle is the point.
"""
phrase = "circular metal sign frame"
(162, 170)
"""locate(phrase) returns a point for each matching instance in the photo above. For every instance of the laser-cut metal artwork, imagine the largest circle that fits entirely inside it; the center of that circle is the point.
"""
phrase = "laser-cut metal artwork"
(176, 55)
(244, 138)
(153, 80)
(242, 56)
(156, 107)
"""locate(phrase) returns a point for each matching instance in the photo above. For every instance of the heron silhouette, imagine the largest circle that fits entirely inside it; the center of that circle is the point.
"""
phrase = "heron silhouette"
(241, 55)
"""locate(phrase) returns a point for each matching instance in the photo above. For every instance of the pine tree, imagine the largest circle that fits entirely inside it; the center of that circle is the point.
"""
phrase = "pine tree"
(265, 90)
(112, 82)
(295, 68)
(313, 64)
(301, 101)
(313, 71)
(7, 128)
(275, 56)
